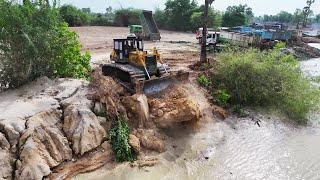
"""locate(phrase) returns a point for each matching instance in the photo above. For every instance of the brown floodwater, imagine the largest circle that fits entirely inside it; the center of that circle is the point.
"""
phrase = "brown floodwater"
(236, 148)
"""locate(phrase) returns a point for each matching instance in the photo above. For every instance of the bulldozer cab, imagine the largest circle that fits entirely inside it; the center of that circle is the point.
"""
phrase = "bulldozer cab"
(123, 47)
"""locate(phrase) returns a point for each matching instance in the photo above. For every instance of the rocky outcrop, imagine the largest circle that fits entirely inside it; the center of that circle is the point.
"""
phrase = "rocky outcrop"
(150, 139)
(173, 107)
(43, 146)
(88, 162)
(82, 128)
(134, 143)
(13, 118)
(6, 159)
(137, 109)
(81, 125)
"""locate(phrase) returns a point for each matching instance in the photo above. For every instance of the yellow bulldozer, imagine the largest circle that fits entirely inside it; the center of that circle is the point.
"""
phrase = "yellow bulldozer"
(138, 70)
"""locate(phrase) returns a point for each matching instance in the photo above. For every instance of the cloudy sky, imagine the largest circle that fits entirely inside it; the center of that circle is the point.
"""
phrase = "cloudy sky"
(260, 7)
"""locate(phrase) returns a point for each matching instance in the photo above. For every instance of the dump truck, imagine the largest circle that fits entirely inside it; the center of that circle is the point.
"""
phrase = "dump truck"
(148, 30)
(140, 71)
(136, 30)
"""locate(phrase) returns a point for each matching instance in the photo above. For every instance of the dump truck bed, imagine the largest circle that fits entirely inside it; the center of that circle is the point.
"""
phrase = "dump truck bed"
(150, 28)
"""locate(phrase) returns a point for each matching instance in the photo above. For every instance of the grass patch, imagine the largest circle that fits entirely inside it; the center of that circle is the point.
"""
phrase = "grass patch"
(119, 136)
(265, 79)
(204, 81)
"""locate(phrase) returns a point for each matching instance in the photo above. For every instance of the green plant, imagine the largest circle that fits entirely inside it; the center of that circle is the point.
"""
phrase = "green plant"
(204, 81)
(119, 136)
(35, 42)
(280, 45)
(70, 62)
(267, 79)
(222, 97)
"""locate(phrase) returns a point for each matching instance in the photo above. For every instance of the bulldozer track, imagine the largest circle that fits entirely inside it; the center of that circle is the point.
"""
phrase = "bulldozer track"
(131, 77)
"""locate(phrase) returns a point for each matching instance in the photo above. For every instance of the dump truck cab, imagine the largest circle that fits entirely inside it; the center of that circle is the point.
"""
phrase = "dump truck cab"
(137, 30)
(212, 38)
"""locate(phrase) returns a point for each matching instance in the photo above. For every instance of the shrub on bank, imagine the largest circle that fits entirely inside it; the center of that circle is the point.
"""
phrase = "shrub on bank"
(34, 42)
(267, 79)
(119, 136)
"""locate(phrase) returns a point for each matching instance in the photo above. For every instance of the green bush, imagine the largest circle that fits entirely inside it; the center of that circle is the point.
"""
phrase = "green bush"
(267, 79)
(69, 62)
(119, 136)
(222, 97)
(35, 42)
(204, 81)
(74, 16)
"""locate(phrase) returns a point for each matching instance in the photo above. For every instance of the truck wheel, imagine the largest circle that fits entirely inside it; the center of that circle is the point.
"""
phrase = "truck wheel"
(211, 48)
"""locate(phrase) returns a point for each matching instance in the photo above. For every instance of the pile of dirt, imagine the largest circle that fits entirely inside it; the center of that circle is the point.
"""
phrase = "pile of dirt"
(173, 107)
(144, 114)
(304, 51)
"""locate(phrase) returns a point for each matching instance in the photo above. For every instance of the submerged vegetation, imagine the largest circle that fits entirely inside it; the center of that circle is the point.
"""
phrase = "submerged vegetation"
(265, 79)
(34, 42)
(119, 136)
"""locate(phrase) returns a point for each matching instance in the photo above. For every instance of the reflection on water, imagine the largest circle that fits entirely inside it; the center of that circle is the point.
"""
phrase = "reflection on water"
(235, 149)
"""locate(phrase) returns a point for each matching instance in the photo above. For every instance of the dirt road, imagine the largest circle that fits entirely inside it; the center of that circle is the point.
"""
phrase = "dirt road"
(178, 49)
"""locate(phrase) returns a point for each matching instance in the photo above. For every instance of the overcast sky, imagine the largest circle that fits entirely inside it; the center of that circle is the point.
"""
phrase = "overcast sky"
(259, 7)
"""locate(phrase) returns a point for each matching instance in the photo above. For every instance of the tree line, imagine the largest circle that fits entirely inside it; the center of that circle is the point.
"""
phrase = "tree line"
(179, 15)
(186, 15)
(301, 17)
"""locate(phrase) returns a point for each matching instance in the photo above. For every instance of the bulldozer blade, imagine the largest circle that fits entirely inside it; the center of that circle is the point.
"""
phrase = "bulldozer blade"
(157, 85)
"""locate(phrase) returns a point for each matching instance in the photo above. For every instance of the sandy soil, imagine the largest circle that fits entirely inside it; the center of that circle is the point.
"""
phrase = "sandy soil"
(178, 49)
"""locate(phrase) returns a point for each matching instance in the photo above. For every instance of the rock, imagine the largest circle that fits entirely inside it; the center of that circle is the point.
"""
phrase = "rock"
(43, 146)
(173, 107)
(134, 143)
(13, 117)
(88, 162)
(99, 109)
(68, 87)
(5, 164)
(45, 118)
(79, 99)
(138, 108)
(4, 144)
(82, 128)
(151, 140)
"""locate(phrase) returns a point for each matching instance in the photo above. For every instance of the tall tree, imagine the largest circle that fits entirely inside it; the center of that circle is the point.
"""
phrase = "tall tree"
(298, 17)
(178, 13)
(203, 55)
(307, 12)
(235, 16)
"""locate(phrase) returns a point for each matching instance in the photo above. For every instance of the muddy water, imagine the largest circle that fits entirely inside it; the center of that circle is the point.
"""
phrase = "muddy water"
(234, 149)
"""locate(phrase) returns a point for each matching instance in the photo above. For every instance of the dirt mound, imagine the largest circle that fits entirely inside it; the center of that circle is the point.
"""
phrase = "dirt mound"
(173, 106)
